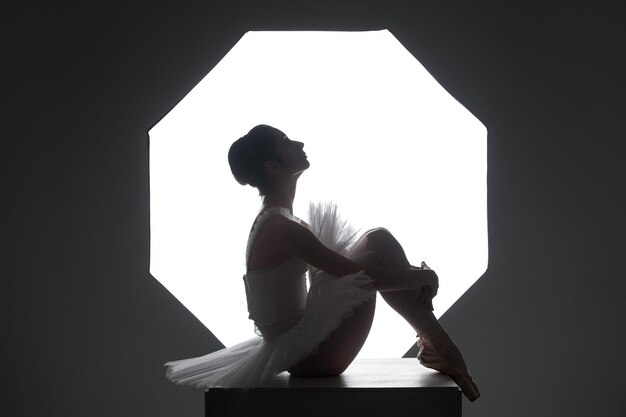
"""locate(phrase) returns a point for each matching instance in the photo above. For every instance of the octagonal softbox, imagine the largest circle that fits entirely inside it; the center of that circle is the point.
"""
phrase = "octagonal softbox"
(386, 142)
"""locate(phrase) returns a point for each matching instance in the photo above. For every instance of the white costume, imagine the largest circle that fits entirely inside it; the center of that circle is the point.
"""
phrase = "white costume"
(291, 321)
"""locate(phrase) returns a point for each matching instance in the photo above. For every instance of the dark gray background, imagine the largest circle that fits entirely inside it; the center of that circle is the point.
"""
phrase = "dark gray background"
(86, 328)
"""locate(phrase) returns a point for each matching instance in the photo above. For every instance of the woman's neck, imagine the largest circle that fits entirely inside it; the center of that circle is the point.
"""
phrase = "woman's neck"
(281, 197)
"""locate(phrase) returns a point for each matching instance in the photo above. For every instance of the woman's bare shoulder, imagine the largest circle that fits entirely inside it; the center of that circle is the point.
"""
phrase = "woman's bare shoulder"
(281, 227)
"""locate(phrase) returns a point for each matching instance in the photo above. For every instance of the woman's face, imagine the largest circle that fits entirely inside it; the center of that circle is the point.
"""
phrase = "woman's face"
(292, 159)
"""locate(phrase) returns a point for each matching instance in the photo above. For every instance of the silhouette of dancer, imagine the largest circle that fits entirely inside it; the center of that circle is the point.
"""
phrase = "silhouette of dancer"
(320, 331)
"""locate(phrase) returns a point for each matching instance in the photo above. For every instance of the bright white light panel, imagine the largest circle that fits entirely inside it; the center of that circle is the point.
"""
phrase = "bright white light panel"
(385, 141)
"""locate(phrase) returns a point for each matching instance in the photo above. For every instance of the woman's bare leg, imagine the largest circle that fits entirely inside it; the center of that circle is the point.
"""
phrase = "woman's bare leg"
(406, 302)
(437, 350)
(376, 247)
(337, 352)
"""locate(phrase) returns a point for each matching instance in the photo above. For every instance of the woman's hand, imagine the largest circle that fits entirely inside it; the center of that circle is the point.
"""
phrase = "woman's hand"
(430, 291)
(427, 298)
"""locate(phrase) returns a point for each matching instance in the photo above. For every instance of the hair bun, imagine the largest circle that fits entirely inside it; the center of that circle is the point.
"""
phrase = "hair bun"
(248, 154)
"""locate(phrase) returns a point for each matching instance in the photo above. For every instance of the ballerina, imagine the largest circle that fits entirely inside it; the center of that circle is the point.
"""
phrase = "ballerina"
(317, 332)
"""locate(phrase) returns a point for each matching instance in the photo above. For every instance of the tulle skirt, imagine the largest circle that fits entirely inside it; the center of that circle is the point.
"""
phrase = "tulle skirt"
(253, 361)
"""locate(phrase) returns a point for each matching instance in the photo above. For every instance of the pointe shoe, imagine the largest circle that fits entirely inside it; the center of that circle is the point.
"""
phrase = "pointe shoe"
(432, 359)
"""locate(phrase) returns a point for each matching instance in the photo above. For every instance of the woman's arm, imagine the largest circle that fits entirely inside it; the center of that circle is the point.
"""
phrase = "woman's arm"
(293, 239)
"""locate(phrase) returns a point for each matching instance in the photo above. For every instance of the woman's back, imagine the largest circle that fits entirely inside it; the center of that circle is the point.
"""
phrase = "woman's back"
(277, 293)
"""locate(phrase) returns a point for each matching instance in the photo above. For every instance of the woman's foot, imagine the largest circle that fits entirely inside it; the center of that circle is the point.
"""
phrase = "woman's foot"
(433, 359)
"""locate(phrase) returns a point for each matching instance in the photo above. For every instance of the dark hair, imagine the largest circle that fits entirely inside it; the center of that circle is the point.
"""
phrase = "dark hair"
(248, 154)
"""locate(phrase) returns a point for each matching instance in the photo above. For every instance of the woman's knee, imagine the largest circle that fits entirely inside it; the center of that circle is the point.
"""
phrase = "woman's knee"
(379, 238)
(382, 248)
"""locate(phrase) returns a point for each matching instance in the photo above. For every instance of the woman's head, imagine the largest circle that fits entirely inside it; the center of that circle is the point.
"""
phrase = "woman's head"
(264, 154)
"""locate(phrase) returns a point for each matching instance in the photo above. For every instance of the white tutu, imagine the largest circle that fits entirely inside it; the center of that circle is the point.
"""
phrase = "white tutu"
(330, 301)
